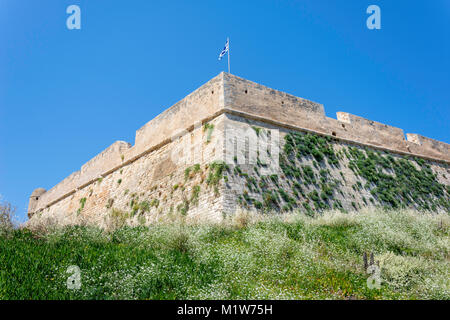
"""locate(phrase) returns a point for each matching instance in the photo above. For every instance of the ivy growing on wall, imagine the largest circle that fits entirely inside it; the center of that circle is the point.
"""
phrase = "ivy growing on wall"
(397, 182)
(392, 182)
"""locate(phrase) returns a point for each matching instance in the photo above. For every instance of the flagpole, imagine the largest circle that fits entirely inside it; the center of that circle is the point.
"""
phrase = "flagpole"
(228, 40)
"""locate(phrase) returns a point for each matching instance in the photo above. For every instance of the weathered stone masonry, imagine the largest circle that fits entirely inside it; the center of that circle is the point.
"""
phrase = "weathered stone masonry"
(153, 170)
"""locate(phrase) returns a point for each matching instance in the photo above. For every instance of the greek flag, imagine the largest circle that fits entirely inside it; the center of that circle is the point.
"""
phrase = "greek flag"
(225, 50)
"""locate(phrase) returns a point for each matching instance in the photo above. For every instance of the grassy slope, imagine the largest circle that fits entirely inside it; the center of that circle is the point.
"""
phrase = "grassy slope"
(298, 257)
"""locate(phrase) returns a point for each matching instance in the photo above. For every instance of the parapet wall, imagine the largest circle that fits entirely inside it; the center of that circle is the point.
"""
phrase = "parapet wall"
(435, 146)
(381, 133)
(254, 101)
(227, 93)
(92, 170)
(252, 98)
(205, 102)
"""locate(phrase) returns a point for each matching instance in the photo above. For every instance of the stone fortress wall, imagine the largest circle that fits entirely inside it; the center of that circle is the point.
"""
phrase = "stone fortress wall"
(150, 162)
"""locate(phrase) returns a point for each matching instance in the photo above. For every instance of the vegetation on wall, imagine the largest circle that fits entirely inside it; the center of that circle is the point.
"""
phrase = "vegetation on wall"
(397, 182)
(311, 180)
(391, 182)
(215, 172)
(82, 204)
(208, 128)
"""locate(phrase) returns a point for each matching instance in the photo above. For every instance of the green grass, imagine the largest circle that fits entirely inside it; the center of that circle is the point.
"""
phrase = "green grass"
(295, 257)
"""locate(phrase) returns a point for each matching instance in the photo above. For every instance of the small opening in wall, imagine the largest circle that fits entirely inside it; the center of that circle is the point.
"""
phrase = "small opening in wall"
(343, 125)
(246, 91)
(282, 102)
(212, 91)
(333, 133)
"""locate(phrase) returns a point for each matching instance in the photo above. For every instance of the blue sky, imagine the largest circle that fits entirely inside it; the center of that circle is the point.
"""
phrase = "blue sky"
(65, 95)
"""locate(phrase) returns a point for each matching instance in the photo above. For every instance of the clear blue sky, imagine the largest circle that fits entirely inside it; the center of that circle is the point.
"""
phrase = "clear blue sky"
(65, 95)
